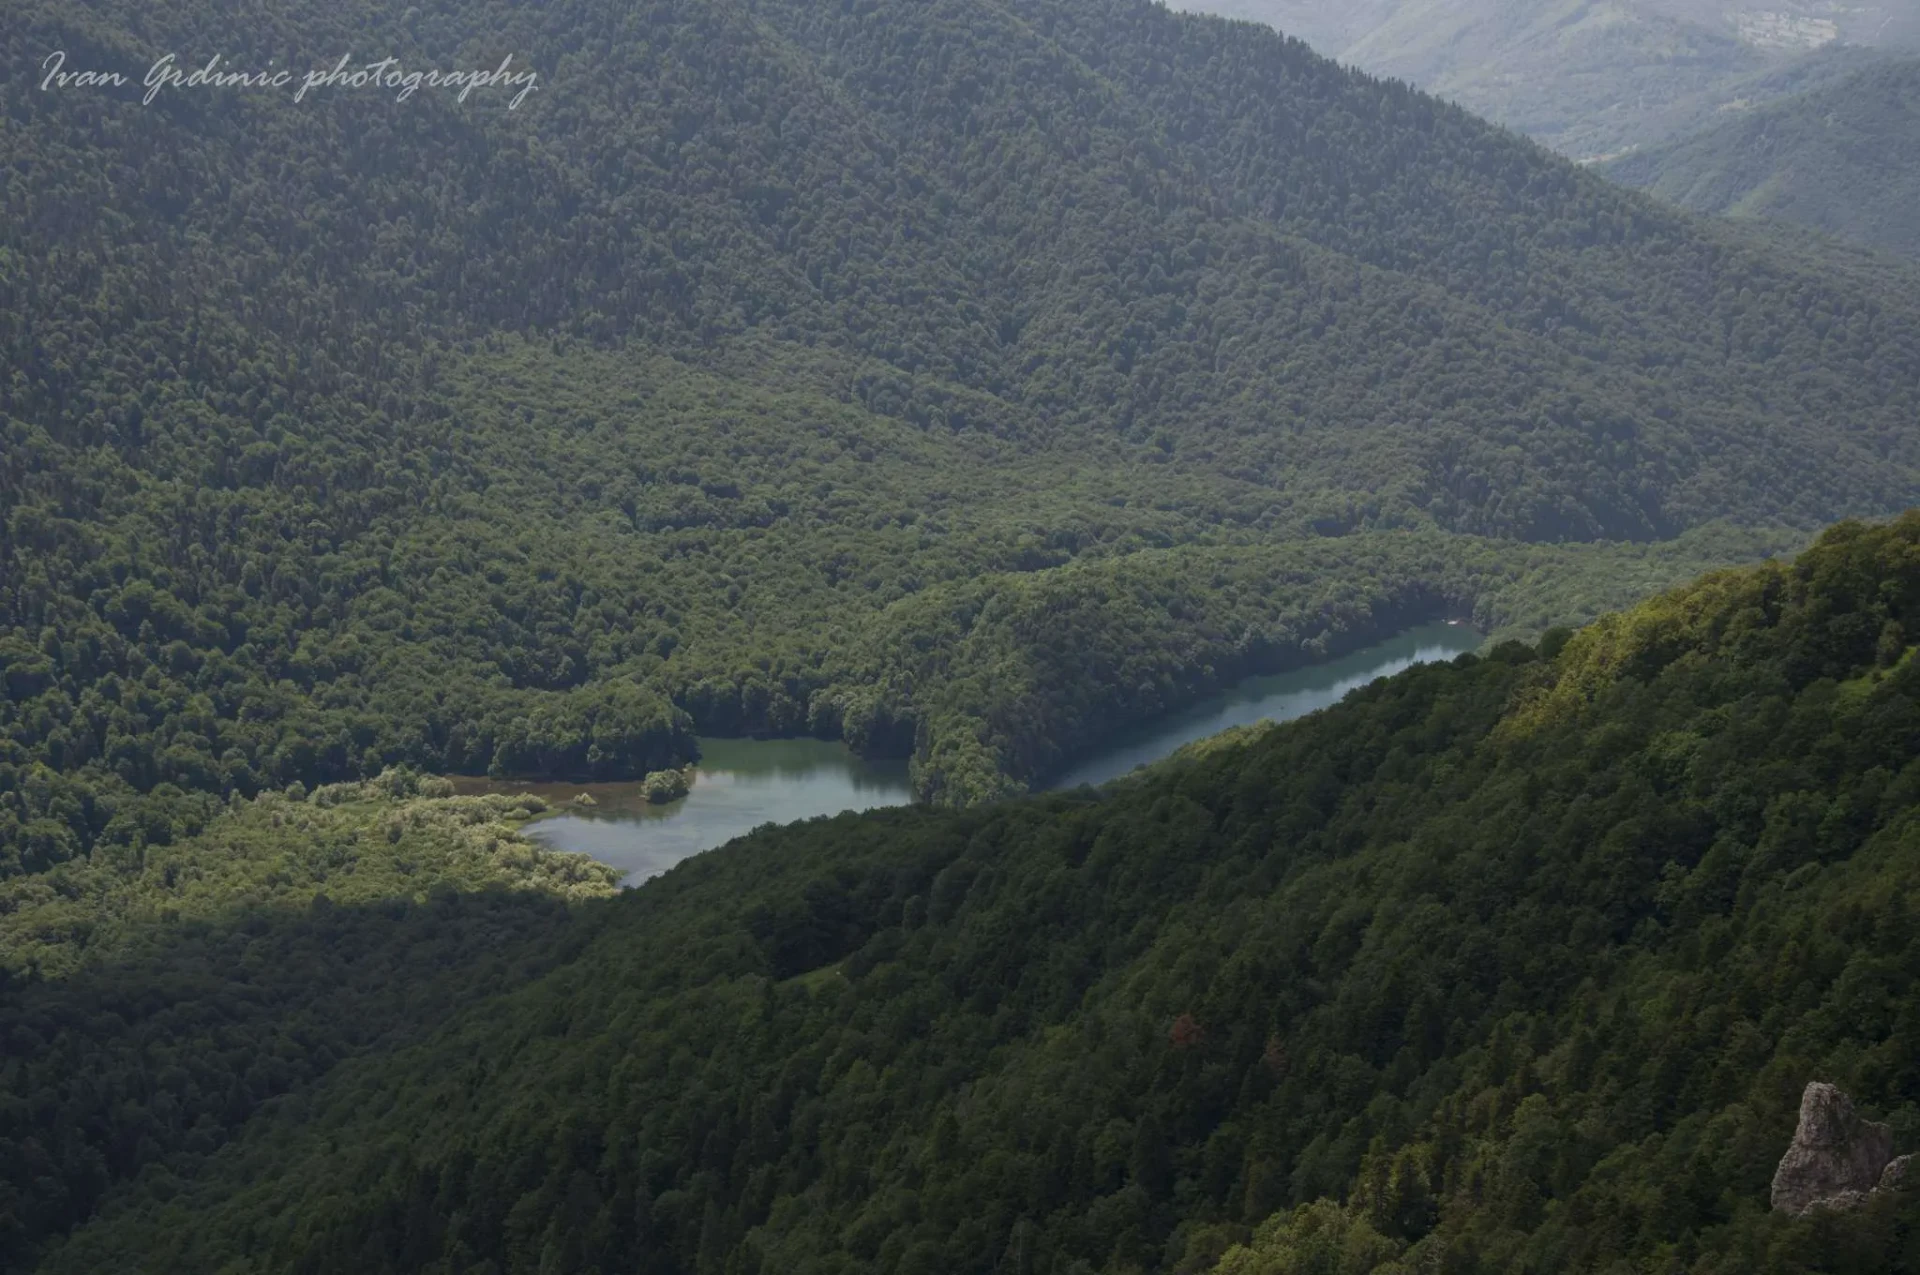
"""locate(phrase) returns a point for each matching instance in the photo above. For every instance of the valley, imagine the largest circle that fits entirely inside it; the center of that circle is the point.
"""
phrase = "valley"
(902, 420)
(741, 784)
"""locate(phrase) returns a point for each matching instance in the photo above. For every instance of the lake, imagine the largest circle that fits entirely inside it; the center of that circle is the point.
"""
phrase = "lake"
(1280, 698)
(740, 784)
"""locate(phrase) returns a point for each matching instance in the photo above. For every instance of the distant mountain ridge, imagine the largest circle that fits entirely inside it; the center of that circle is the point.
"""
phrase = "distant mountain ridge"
(1844, 159)
(1593, 78)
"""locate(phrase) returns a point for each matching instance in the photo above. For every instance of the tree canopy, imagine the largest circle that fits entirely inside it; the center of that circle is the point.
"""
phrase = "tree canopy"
(1509, 964)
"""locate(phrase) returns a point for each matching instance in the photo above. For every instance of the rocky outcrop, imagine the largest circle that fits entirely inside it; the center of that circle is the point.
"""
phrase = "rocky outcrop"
(1837, 1160)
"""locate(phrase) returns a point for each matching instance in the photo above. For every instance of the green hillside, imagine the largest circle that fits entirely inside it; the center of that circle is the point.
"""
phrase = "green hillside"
(1844, 159)
(1517, 963)
(964, 381)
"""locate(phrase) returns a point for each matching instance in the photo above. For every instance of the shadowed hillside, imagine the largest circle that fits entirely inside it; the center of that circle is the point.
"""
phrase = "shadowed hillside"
(1515, 963)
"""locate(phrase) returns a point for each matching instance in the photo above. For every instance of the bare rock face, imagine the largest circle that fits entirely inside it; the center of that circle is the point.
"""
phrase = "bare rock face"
(1837, 1159)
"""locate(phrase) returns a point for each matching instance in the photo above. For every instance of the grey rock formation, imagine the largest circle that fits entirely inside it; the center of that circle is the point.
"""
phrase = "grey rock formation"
(1837, 1160)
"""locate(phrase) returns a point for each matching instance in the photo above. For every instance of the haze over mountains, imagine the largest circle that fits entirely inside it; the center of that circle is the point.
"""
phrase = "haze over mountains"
(1843, 159)
(1596, 78)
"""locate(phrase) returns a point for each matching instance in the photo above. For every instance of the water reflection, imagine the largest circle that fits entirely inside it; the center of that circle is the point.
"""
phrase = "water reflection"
(738, 785)
(1281, 697)
(743, 783)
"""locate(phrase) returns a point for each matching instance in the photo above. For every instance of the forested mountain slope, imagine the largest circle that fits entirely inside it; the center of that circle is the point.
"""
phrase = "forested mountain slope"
(1514, 964)
(1593, 78)
(1843, 159)
(787, 368)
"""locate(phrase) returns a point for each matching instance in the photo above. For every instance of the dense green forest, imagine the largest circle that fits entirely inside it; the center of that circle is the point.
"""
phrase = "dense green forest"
(1844, 159)
(965, 380)
(1517, 963)
(845, 370)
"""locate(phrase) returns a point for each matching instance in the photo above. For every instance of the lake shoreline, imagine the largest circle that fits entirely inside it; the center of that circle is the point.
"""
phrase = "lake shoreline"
(741, 783)
(1278, 696)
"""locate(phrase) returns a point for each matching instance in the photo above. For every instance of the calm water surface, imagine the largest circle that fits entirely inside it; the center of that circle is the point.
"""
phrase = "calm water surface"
(738, 785)
(1280, 698)
(743, 783)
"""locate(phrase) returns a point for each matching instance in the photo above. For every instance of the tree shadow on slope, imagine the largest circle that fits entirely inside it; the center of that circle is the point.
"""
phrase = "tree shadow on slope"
(151, 1060)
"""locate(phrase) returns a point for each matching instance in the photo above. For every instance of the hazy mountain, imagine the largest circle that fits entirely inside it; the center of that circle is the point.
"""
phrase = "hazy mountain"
(1595, 77)
(1844, 159)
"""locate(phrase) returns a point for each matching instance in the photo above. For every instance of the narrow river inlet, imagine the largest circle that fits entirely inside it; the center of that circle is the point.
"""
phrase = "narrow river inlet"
(743, 783)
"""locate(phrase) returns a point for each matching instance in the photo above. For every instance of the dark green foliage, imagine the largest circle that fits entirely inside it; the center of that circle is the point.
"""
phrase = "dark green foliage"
(147, 1063)
(1844, 159)
(1511, 964)
(148, 1008)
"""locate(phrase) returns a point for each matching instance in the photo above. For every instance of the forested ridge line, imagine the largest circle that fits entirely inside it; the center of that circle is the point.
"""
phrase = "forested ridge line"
(1841, 158)
(1514, 963)
(964, 380)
